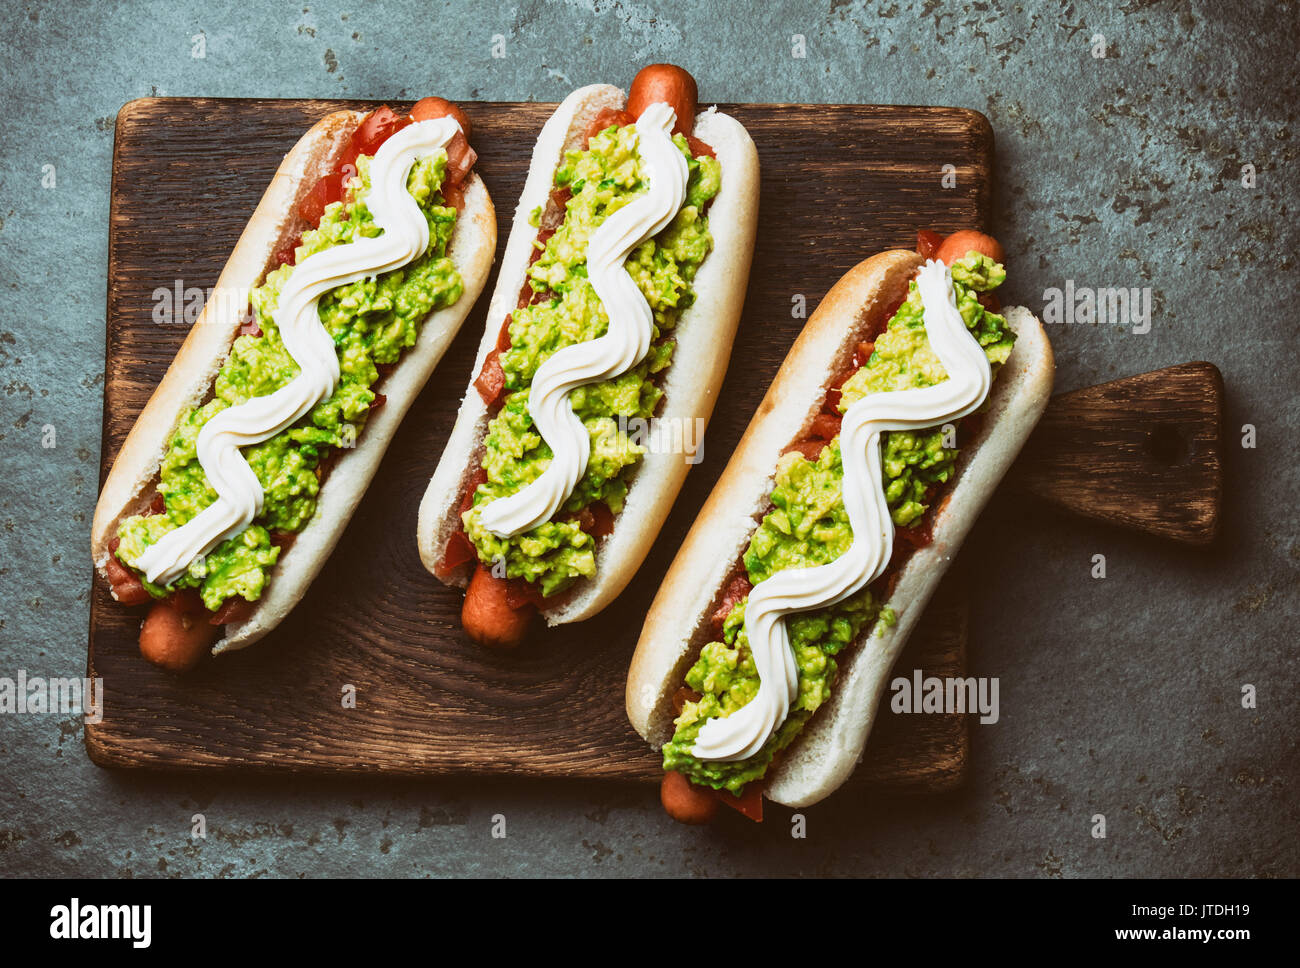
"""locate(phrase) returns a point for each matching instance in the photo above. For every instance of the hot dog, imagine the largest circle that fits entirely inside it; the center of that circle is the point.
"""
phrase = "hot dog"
(669, 84)
(358, 266)
(896, 412)
(545, 498)
(490, 617)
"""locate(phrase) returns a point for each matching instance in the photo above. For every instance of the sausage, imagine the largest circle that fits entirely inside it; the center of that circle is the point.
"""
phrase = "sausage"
(488, 616)
(956, 246)
(684, 801)
(429, 108)
(667, 83)
(176, 637)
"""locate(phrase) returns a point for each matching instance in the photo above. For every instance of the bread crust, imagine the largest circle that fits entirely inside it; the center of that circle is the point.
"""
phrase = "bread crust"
(188, 380)
(704, 335)
(677, 625)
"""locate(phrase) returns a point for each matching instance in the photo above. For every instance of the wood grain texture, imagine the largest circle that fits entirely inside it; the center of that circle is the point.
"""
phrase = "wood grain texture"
(1143, 452)
(838, 184)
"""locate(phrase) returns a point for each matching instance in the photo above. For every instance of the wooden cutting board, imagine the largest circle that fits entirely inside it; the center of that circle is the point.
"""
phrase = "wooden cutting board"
(839, 182)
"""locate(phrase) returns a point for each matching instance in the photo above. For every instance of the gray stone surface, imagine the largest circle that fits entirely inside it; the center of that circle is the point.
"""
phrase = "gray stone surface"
(1119, 696)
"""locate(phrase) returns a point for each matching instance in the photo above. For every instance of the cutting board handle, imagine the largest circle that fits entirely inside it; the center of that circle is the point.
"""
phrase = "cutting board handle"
(1143, 452)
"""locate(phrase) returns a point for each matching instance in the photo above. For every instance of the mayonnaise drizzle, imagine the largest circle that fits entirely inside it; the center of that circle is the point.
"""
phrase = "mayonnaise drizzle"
(405, 237)
(743, 733)
(624, 345)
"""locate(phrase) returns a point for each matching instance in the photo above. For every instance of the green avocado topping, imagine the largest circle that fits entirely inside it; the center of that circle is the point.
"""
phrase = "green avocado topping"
(372, 322)
(602, 179)
(808, 526)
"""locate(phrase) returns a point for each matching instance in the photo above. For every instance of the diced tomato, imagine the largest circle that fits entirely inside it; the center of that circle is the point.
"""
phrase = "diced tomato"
(682, 696)
(127, 587)
(476, 479)
(521, 594)
(236, 608)
(748, 804)
(882, 321)
(543, 236)
(326, 463)
(375, 128)
(917, 536)
(698, 147)
(503, 335)
(602, 520)
(825, 426)
(862, 352)
(459, 548)
(595, 519)
(492, 380)
(286, 256)
(586, 520)
(560, 198)
(604, 119)
(335, 186)
(187, 601)
(159, 504)
(927, 243)
(459, 551)
(460, 159)
(811, 449)
(453, 195)
(249, 325)
(326, 191)
(736, 590)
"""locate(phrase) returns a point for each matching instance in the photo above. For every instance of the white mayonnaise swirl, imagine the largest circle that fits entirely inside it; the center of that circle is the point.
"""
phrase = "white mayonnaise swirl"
(624, 345)
(743, 733)
(405, 238)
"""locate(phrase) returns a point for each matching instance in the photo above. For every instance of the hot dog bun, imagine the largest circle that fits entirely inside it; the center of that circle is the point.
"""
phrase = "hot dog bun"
(187, 382)
(677, 625)
(704, 335)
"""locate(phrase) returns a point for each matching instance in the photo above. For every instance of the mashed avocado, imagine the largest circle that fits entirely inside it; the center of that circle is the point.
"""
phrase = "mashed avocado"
(372, 322)
(808, 526)
(602, 179)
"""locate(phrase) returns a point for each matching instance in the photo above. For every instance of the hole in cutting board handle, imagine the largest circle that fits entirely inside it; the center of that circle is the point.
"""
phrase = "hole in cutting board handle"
(1168, 444)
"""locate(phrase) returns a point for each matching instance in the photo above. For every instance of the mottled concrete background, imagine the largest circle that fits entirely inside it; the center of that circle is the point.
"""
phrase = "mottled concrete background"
(1119, 697)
